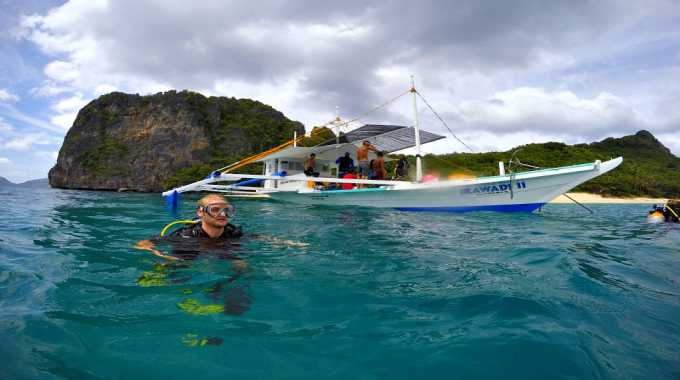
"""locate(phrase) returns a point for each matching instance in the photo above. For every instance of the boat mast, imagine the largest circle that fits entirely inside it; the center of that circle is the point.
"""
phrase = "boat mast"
(419, 165)
(336, 123)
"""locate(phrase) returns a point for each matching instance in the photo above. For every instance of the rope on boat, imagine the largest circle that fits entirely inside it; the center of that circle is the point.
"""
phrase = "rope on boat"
(375, 109)
(441, 119)
(578, 203)
(515, 161)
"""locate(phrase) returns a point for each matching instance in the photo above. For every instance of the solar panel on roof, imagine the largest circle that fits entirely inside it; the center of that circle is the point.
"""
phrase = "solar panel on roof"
(388, 138)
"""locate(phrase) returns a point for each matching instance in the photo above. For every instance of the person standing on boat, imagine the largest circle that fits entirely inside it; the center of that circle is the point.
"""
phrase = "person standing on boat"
(378, 166)
(310, 166)
(362, 157)
(401, 170)
(345, 165)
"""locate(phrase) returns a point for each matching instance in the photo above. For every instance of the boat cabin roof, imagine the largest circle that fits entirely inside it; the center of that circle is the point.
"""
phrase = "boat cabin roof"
(387, 138)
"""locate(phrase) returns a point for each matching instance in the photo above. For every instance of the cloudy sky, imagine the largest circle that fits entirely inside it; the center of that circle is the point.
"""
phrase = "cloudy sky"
(501, 73)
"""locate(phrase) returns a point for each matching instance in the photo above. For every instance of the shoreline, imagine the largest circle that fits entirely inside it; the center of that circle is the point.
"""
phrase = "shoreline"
(595, 198)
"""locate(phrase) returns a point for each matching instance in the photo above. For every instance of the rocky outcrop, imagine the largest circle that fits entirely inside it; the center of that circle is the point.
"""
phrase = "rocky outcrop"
(151, 143)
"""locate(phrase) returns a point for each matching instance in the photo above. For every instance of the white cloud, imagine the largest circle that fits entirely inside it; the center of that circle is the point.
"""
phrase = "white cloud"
(26, 141)
(49, 88)
(62, 72)
(671, 141)
(5, 161)
(104, 88)
(71, 104)
(535, 109)
(4, 126)
(67, 110)
(6, 96)
(16, 115)
(52, 155)
(64, 120)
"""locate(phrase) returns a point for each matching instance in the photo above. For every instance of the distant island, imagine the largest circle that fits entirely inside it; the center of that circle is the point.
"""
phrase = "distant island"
(156, 142)
(34, 183)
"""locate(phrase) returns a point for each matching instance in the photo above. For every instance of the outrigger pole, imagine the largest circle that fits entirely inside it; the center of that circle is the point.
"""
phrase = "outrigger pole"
(419, 165)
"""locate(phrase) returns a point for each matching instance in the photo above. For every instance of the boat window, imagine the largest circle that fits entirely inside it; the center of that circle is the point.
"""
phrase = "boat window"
(296, 165)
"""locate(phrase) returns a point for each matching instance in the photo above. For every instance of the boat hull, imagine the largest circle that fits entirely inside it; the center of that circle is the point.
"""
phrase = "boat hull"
(522, 192)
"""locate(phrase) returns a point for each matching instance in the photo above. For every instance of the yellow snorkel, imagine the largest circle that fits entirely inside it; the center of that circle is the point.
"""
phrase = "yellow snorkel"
(669, 208)
(167, 227)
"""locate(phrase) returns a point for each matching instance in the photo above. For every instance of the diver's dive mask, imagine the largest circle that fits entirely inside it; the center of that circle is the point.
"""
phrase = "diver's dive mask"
(220, 209)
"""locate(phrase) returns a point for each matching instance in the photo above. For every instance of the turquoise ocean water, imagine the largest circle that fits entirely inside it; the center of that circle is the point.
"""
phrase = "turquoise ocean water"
(376, 294)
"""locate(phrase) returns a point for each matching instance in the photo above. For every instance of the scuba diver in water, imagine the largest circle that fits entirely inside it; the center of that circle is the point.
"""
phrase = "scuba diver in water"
(211, 233)
(213, 236)
(669, 212)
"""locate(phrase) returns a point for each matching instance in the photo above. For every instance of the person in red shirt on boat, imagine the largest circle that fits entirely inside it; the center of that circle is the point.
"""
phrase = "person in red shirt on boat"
(348, 186)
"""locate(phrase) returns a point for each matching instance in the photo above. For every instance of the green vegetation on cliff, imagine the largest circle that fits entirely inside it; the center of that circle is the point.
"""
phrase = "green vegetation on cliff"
(94, 159)
(648, 168)
(317, 136)
(247, 126)
(268, 140)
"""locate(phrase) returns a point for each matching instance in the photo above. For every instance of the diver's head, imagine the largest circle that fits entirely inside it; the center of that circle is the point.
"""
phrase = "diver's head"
(214, 210)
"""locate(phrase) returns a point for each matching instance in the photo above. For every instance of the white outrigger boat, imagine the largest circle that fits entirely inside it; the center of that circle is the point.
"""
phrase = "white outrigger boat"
(284, 179)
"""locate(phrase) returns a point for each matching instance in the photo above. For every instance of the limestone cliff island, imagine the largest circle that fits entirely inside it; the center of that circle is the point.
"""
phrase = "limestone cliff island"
(152, 143)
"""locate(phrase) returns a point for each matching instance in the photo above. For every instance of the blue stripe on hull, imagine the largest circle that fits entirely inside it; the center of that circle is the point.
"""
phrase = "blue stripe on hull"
(528, 207)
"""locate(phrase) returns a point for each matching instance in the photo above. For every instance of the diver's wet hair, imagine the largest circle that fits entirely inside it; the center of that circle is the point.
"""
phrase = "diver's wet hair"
(211, 198)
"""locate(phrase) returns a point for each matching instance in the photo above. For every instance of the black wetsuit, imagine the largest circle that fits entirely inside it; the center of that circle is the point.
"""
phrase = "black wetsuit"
(402, 168)
(196, 231)
(345, 165)
(190, 241)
